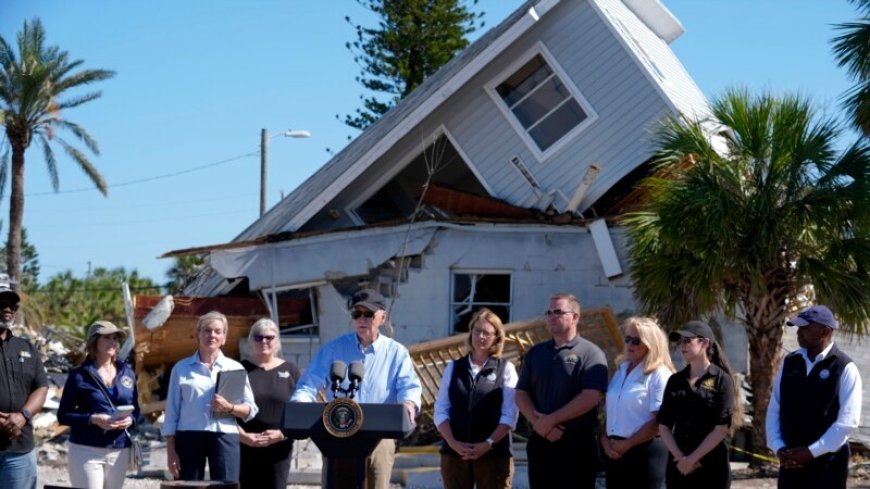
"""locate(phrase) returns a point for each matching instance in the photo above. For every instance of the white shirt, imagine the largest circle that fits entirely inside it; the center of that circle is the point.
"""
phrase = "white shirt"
(847, 419)
(509, 411)
(189, 396)
(633, 398)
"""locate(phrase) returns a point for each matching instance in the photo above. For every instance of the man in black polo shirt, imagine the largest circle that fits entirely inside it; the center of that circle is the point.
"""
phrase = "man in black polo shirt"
(815, 404)
(560, 385)
(23, 386)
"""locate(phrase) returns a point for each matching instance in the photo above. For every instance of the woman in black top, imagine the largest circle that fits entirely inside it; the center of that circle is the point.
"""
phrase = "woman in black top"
(265, 450)
(697, 410)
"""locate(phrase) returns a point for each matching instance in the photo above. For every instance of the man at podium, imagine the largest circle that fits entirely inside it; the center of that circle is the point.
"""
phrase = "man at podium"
(389, 373)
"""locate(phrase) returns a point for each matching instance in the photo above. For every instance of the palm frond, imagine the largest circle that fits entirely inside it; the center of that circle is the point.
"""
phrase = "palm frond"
(85, 165)
(50, 162)
(81, 133)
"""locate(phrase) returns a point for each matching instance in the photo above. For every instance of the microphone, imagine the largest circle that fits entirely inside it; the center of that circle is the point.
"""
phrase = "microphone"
(336, 376)
(356, 372)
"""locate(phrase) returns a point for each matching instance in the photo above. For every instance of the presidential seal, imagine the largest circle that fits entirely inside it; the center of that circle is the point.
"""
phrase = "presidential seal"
(342, 417)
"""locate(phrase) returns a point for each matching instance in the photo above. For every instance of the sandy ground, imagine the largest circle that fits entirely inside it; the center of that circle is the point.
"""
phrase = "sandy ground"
(306, 468)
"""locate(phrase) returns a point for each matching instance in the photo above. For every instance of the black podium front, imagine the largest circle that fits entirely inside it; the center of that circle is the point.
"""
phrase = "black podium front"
(345, 456)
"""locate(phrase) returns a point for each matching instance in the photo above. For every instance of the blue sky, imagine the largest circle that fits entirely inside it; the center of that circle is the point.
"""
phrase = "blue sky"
(197, 80)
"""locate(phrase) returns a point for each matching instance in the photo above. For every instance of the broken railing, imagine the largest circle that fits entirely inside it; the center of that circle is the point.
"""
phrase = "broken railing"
(430, 358)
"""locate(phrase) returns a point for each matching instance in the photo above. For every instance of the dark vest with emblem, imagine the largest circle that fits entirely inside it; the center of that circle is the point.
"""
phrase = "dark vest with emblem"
(475, 404)
(809, 403)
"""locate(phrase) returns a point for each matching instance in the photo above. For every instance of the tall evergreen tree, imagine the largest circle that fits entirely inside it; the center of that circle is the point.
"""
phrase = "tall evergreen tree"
(412, 40)
(32, 84)
(777, 214)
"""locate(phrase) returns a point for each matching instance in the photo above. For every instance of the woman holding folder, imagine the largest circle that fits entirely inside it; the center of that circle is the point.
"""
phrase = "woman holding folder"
(207, 393)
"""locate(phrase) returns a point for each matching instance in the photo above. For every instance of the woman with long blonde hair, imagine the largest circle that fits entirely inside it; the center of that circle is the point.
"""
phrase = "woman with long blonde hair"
(635, 456)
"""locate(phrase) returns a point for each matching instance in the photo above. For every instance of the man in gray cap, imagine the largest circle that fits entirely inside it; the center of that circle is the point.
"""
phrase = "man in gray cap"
(389, 373)
(22, 394)
(814, 406)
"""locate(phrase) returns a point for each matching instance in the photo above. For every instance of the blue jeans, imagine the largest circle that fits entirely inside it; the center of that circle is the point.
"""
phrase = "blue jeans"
(18, 470)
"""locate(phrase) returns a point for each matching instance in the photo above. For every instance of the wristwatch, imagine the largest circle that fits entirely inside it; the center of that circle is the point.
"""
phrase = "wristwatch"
(27, 414)
(490, 441)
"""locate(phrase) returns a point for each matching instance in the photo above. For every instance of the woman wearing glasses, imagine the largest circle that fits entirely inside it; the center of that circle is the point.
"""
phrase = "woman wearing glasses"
(699, 407)
(475, 410)
(635, 456)
(265, 450)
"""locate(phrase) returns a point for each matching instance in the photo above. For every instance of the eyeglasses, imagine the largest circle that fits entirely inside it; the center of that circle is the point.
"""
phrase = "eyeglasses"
(362, 314)
(632, 340)
(556, 312)
(482, 333)
(261, 338)
(686, 341)
(9, 305)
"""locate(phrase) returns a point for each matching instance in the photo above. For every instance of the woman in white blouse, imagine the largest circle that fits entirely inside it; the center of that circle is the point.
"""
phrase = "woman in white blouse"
(476, 411)
(636, 458)
(200, 424)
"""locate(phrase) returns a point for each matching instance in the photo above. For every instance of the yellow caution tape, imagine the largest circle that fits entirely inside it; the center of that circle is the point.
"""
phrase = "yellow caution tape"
(765, 458)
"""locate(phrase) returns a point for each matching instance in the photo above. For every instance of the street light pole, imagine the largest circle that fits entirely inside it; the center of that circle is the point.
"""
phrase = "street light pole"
(264, 158)
(264, 148)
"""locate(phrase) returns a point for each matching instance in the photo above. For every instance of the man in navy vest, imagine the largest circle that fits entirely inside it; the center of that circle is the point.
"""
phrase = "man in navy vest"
(815, 404)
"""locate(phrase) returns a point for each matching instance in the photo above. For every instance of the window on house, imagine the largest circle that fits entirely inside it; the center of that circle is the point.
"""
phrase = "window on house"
(296, 313)
(474, 290)
(541, 102)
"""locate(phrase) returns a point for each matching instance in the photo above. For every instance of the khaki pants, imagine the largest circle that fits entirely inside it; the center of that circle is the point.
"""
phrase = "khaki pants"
(380, 466)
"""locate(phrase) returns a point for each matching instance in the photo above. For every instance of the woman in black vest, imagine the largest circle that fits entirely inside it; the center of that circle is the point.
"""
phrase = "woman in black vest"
(475, 410)
(698, 408)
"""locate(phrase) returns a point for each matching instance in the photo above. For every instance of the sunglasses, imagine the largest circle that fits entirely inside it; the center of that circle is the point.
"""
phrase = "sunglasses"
(261, 338)
(362, 314)
(556, 312)
(632, 340)
(686, 341)
(9, 305)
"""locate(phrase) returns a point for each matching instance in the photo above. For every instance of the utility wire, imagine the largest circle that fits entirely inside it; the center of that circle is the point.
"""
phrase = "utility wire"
(149, 179)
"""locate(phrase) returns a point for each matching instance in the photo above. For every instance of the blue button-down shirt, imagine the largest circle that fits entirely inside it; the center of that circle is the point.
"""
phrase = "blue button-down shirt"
(191, 390)
(389, 372)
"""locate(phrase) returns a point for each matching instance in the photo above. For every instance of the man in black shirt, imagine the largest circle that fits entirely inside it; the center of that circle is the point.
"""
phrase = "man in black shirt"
(560, 385)
(23, 386)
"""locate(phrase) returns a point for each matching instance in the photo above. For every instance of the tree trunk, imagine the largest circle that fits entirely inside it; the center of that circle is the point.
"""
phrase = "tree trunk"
(16, 215)
(765, 317)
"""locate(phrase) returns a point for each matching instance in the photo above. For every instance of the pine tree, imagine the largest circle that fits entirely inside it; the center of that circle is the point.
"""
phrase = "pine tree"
(412, 40)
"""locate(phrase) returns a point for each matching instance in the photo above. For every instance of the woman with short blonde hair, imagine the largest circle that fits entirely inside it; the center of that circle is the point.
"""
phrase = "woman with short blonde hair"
(475, 410)
(200, 424)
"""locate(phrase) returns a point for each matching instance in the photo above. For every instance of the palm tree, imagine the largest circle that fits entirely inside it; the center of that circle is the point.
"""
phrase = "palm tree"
(751, 220)
(852, 51)
(31, 86)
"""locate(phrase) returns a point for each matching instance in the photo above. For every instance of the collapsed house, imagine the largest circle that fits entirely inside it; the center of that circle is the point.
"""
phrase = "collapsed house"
(495, 183)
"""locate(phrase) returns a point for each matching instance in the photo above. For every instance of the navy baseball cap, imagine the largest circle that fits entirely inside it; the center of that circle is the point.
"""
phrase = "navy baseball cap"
(370, 299)
(816, 314)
